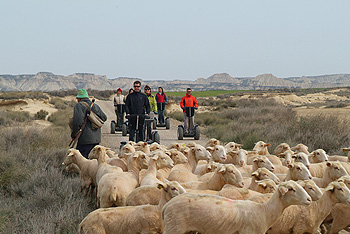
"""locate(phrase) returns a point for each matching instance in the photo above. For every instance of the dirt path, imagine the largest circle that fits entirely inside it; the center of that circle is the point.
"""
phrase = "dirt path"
(113, 140)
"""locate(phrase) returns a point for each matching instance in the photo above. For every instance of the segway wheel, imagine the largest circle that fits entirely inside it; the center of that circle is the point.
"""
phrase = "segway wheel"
(113, 126)
(180, 133)
(156, 137)
(124, 130)
(154, 123)
(167, 123)
(196, 133)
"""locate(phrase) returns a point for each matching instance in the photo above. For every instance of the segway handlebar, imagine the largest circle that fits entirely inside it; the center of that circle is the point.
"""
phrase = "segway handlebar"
(135, 115)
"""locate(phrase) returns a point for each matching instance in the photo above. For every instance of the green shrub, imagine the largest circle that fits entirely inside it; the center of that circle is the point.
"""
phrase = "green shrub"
(9, 118)
(41, 114)
(61, 117)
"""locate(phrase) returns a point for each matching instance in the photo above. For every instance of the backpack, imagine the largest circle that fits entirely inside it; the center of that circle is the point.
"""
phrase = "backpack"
(96, 121)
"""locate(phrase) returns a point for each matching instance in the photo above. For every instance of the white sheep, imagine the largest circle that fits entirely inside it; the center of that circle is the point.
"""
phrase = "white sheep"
(213, 214)
(333, 171)
(301, 148)
(212, 142)
(218, 153)
(127, 149)
(88, 170)
(261, 149)
(232, 146)
(131, 219)
(157, 161)
(206, 168)
(281, 148)
(311, 188)
(302, 219)
(143, 146)
(143, 195)
(224, 174)
(303, 158)
(260, 174)
(114, 188)
(287, 157)
(99, 153)
(318, 156)
(298, 171)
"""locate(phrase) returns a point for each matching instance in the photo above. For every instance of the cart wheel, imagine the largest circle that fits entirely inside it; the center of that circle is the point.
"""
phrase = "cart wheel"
(196, 133)
(180, 133)
(156, 137)
(113, 126)
(167, 123)
(124, 130)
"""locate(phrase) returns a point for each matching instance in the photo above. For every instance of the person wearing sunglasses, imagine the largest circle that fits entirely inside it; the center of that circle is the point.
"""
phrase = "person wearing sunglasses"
(137, 103)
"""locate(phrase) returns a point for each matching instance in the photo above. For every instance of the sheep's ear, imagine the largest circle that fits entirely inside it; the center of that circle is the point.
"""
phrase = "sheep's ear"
(222, 170)
(239, 145)
(261, 183)
(290, 166)
(330, 187)
(267, 144)
(294, 156)
(134, 155)
(341, 180)
(255, 160)
(168, 153)
(329, 164)
(161, 186)
(255, 173)
(155, 157)
(283, 190)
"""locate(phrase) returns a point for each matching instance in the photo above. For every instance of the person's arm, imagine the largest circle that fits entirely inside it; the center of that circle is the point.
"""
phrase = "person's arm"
(165, 99)
(115, 101)
(154, 104)
(182, 103)
(195, 102)
(127, 103)
(156, 98)
(78, 118)
(147, 105)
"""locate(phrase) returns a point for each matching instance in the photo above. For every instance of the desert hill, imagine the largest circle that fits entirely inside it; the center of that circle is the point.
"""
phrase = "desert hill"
(47, 81)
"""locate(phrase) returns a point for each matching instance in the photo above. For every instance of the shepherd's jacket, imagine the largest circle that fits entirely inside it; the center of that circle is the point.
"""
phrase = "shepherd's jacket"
(89, 135)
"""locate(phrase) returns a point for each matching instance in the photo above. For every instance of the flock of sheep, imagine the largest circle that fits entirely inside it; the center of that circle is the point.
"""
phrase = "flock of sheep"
(214, 189)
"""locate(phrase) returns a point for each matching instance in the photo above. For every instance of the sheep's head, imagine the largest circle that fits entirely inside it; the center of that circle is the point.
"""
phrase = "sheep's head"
(126, 149)
(287, 156)
(242, 156)
(300, 148)
(311, 188)
(143, 146)
(110, 153)
(263, 174)
(298, 171)
(177, 156)
(200, 153)
(266, 186)
(162, 160)
(231, 175)
(232, 146)
(347, 150)
(140, 159)
(97, 152)
(211, 166)
(171, 189)
(262, 161)
(319, 155)
(345, 180)
(212, 142)
(70, 157)
(303, 158)
(218, 152)
(339, 191)
(175, 146)
(335, 170)
(281, 148)
(261, 147)
(293, 194)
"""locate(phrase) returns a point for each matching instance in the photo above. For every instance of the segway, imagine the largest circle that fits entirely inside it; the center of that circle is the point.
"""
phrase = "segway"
(182, 132)
(166, 124)
(151, 136)
(114, 126)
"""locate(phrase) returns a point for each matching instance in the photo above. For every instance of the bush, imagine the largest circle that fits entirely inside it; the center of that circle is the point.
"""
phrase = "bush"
(9, 118)
(23, 95)
(61, 117)
(41, 114)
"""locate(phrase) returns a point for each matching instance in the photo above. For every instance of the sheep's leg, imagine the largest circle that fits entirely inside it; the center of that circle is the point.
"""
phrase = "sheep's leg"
(92, 187)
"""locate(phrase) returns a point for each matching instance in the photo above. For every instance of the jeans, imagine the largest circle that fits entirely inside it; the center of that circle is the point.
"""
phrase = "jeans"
(85, 149)
(132, 129)
(188, 128)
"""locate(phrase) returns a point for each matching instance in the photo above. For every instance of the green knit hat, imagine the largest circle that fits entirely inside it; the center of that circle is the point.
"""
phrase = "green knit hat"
(82, 93)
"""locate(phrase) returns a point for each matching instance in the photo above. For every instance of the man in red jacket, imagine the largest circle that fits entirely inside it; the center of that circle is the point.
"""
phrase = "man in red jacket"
(188, 101)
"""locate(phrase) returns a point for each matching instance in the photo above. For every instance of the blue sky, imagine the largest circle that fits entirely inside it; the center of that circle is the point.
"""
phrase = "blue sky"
(169, 40)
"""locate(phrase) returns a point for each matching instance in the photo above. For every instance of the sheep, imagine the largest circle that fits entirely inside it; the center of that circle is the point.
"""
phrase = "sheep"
(311, 188)
(143, 195)
(131, 219)
(218, 153)
(126, 150)
(234, 193)
(113, 188)
(266, 186)
(303, 158)
(341, 212)
(143, 146)
(281, 148)
(157, 161)
(177, 157)
(176, 146)
(225, 174)
(261, 149)
(184, 172)
(333, 171)
(232, 146)
(302, 219)
(261, 174)
(205, 168)
(155, 146)
(72, 168)
(262, 161)
(301, 148)
(212, 142)
(318, 156)
(99, 153)
(298, 171)
(214, 214)
(88, 170)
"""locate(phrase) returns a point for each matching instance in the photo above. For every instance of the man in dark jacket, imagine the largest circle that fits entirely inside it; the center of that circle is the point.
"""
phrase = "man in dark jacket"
(89, 138)
(137, 104)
